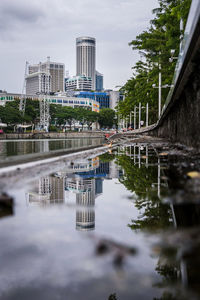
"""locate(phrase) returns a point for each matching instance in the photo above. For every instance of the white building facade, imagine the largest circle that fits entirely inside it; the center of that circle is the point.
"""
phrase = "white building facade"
(54, 99)
(45, 77)
(80, 83)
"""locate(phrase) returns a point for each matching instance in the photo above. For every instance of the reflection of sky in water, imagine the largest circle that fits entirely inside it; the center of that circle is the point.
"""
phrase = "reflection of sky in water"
(45, 255)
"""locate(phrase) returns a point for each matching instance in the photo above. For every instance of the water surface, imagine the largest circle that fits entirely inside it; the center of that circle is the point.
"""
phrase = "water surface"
(110, 227)
(10, 148)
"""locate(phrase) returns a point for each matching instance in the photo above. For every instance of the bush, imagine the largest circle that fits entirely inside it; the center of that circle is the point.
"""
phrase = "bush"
(53, 128)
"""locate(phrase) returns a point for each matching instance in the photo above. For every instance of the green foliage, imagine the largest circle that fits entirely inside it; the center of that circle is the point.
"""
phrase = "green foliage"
(107, 157)
(70, 115)
(139, 181)
(60, 115)
(154, 45)
(106, 117)
(32, 111)
(10, 113)
(53, 128)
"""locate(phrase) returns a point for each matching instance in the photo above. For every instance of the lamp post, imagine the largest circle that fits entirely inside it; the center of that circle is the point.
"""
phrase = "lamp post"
(139, 112)
(139, 115)
(135, 117)
(159, 87)
(159, 91)
(123, 122)
(147, 114)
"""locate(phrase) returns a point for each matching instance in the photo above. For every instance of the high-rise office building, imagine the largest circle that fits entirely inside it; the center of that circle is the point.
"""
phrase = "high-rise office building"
(39, 75)
(86, 58)
(99, 81)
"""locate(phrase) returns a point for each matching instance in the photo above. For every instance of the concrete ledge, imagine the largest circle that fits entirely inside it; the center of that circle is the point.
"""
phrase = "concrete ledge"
(51, 135)
(132, 133)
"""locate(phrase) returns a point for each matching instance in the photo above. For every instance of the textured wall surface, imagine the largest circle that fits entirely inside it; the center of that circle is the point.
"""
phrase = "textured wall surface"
(182, 122)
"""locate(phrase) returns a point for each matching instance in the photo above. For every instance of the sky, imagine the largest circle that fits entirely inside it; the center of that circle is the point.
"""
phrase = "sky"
(32, 30)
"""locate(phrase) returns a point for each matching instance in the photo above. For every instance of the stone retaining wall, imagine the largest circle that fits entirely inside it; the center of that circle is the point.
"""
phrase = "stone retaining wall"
(51, 135)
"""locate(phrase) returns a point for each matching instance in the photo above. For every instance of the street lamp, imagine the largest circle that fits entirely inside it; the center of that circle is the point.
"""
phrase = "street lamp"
(172, 51)
(135, 112)
(159, 87)
(119, 86)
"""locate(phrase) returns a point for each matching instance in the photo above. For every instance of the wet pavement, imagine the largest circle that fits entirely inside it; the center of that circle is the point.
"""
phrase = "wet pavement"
(121, 225)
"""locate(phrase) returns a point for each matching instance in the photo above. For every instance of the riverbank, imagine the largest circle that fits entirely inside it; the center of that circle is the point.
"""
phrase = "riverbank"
(51, 135)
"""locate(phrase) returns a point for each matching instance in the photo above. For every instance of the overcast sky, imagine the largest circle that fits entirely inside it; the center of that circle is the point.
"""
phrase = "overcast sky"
(32, 30)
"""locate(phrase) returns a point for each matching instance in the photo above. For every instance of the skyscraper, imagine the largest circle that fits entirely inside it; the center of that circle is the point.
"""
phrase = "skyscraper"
(86, 58)
(99, 82)
(43, 74)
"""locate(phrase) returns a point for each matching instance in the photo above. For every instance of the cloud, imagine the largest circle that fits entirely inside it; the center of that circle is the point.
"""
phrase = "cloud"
(16, 15)
(32, 30)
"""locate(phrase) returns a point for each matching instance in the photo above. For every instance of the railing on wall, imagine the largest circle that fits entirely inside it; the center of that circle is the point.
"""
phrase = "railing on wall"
(192, 23)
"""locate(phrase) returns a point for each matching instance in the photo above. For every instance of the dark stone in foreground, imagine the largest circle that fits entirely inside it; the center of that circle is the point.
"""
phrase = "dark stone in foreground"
(6, 205)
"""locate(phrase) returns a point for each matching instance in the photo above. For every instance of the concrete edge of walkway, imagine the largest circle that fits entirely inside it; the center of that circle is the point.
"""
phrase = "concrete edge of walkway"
(48, 162)
(133, 132)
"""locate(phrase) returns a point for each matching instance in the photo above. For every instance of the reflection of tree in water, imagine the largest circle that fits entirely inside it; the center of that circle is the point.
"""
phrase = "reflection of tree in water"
(107, 157)
(169, 272)
(155, 215)
(140, 181)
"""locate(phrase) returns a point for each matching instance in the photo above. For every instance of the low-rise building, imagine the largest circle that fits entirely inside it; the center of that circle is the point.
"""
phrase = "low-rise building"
(102, 98)
(54, 99)
(80, 83)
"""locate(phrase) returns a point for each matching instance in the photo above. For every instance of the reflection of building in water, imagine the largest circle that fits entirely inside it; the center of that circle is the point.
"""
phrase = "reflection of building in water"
(3, 149)
(85, 219)
(57, 190)
(44, 186)
(85, 190)
(43, 146)
(50, 190)
(98, 186)
(83, 178)
(83, 165)
(113, 170)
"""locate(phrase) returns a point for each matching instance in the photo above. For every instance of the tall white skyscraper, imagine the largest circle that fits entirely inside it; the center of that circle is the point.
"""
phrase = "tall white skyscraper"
(86, 58)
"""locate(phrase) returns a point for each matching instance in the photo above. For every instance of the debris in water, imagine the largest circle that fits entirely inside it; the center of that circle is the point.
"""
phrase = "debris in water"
(193, 174)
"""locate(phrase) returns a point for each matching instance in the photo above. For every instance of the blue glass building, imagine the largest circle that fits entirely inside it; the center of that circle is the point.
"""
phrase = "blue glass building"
(102, 97)
(99, 81)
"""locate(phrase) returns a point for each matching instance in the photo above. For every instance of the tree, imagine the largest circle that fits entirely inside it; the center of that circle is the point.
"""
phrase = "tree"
(65, 114)
(91, 117)
(10, 114)
(155, 45)
(81, 115)
(106, 117)
(32, 111)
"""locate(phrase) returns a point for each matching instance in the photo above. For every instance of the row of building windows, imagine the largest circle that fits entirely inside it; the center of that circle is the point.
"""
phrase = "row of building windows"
(102, 98)
(70, 101)
(7, 98)
(59, 101)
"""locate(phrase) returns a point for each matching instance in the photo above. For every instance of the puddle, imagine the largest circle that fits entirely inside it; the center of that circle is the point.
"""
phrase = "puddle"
(123, 225)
